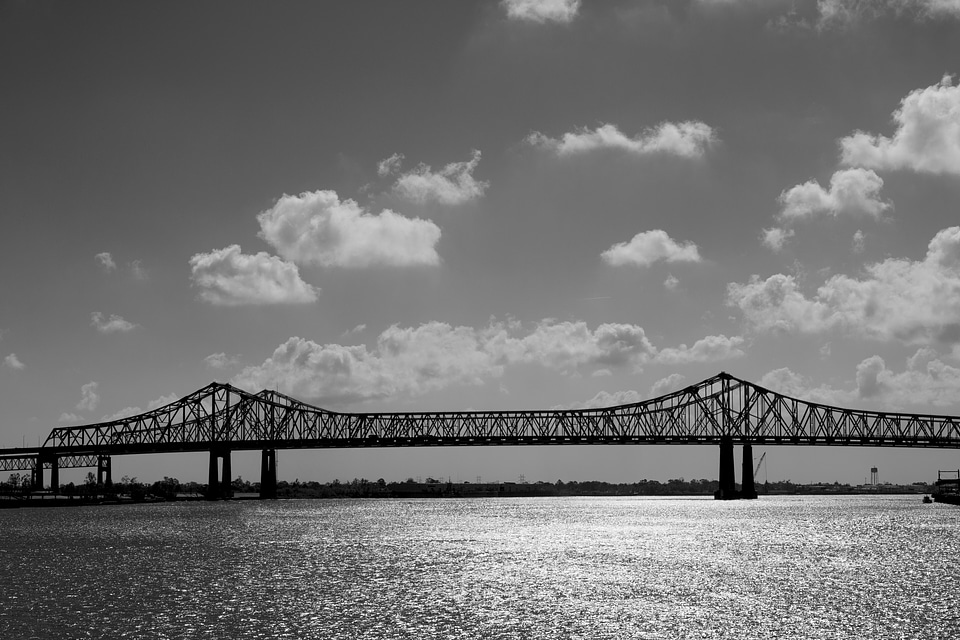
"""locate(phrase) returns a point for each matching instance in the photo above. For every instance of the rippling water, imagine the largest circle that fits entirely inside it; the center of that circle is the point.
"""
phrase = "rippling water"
(793, 567)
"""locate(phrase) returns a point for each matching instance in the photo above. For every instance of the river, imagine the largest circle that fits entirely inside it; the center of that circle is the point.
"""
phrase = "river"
(858, 567)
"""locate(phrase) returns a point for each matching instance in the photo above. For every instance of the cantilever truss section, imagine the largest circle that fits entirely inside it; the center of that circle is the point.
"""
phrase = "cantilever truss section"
(723, 406)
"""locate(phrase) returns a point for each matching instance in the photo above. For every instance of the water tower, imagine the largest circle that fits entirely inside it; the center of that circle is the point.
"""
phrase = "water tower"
(873, 476)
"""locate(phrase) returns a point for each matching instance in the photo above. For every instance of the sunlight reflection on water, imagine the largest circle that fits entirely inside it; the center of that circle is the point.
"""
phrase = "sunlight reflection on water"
(792, 567)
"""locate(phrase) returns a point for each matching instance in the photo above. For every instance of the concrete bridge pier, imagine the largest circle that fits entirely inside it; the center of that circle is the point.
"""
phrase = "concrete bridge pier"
(218, 485)
(104, 472)
(748, 489)
(268, 474)
(728, 476)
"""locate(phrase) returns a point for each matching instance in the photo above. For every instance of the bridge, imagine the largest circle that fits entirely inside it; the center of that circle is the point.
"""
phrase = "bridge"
(722, 410)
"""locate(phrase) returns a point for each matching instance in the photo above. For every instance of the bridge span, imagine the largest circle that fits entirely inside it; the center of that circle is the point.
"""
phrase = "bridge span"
(722, 410)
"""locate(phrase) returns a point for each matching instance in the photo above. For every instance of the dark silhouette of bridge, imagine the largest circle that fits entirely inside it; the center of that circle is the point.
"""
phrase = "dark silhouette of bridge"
(721, 410)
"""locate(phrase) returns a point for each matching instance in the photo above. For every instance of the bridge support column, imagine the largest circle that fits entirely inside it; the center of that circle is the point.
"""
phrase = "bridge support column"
(748, 489)
(104, 472)
(728, 478)
(226, 489)
(268, 474)
(55, 475)
(36, 475)
(218, 484)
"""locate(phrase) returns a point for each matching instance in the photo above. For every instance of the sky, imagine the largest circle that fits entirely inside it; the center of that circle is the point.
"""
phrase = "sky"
(523, 204)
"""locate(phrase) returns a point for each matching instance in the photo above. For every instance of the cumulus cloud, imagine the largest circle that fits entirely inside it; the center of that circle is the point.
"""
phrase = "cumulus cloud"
(435, 355)
(604, 399)
(708, 349)
(689, 139)
(126, 412)
(389, 166)
(68, 418)
(648, 247)
(776, 238)
(858, 242)
(111, 324)
(221, 361)
(672, 283)
(926, 383)
(452, 185)
(541, 11)
(138, 271)
(843, 13)
(927, 136)
(914, 302)
(13, 362)
(671, 383)
(229, 277)
(852, 192)
(106, 261)
(90, 398)
(316, 228)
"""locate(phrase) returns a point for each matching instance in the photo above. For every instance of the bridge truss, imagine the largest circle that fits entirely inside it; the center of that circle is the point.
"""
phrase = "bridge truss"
(721, 410)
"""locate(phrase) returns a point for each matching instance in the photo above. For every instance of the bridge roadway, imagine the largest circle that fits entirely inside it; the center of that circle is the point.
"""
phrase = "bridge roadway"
(721, 410)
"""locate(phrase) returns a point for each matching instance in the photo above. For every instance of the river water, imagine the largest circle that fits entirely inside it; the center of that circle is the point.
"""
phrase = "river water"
(859, 567)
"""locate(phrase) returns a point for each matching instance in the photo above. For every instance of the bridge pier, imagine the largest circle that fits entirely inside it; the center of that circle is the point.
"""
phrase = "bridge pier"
(104, 472)
(728, 477)
(218, 485)
(268, 474)
(55, 475)
(748, 489)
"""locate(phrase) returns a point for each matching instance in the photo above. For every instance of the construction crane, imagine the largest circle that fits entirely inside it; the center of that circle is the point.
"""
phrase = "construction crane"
(757, 470)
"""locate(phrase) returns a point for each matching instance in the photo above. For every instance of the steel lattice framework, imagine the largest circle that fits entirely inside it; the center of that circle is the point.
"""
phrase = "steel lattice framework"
(223, 417)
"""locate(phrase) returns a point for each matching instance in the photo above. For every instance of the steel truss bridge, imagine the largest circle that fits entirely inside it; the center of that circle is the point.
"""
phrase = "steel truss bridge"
(722, 410)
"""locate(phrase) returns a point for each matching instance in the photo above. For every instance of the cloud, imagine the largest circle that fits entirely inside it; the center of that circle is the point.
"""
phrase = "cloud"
(435, 355)
(689, 139)
(927, 136)
(136, 268)
(126, 412)
(318, 229)
(221, 361)
(389, 166)
(708, 349)
(852, 192)
(604, 399)
(913, 302)
(776, 238)
(857, 245)
(69, 418)
(229, 277)
(927, 381)
(90, 398)
(671, 383)
(452, 185)
(648, 247)
(845, 13)
(671, 283)
(13, 362)
(113, 324)
(541, 11)
(106, 261)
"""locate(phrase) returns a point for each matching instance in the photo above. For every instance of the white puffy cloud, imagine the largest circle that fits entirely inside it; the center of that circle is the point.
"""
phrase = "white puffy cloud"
(316, 228)
(927, 136)
(852, 192)
(776, 238)
(840, 13)
(390, 165)
(126, 412)
(541, 11)
(672, 283)
(106, 261)
(689, 139)
(927, 383)
(914, 302)
(452, 185)
(604, 399)
(138, 271)
(671, 383)
(708, 349)
(69, 418)
(90, 398)
(648, 247)
(858, 242)
(111, 324)
(435, 355)
(221, 361)
(229, 277)
(13, 362)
